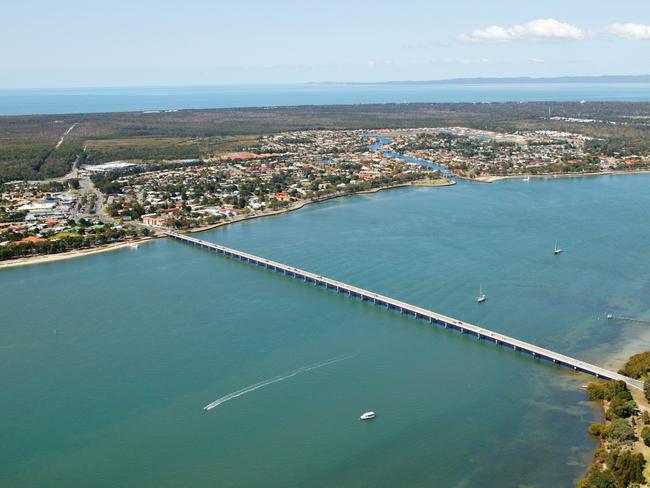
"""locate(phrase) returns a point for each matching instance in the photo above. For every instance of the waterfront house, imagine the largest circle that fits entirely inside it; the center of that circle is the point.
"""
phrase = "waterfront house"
(31, 240)
(154, 220)
(282, 196)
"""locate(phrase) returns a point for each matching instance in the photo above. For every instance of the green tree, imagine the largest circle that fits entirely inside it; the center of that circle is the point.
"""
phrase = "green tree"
(627, 467)
(618, 388)
(596, 429)
(596, 391)
(620, 407)
(599, 479)
(637, 365)
(619, 431)
(646, 388)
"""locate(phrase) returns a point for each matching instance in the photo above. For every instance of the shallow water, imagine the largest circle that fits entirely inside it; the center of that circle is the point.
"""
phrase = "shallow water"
(145, 339)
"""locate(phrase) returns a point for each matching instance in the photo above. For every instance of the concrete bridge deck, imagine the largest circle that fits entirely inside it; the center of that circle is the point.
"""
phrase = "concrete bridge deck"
(480, 333)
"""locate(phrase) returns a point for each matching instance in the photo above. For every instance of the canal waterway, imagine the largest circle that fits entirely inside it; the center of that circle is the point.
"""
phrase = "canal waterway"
(385, 140)
(146, 338)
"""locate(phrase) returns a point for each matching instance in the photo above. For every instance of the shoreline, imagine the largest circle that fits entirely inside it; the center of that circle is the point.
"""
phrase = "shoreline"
(47, 258)
(303, 203)
(78, 253)
(494, 179)
(637, 445)
(615, 360)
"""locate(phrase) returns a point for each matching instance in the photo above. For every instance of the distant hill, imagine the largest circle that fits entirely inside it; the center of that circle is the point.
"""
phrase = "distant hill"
(512, 80)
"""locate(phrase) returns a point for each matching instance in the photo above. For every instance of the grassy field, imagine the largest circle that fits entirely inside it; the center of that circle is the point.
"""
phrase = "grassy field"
(27, 142)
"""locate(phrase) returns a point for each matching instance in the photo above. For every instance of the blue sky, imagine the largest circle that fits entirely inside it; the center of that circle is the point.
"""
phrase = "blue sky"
(200, 42)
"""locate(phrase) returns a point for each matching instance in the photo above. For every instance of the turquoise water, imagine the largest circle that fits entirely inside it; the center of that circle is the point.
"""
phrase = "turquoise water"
(86, 100)
(146, 338)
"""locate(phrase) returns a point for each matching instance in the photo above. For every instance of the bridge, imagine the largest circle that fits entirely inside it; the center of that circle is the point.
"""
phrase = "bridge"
(419, 313)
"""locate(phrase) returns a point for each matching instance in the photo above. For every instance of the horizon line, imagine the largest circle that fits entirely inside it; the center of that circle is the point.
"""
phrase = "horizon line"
(458, 80)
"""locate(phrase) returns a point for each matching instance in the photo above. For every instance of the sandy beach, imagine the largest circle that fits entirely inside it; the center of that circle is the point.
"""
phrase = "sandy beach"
(493, 179)
(50, 258)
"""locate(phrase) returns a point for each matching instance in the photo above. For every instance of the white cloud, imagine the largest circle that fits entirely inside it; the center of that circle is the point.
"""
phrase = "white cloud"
(535, 30)
(632, 32)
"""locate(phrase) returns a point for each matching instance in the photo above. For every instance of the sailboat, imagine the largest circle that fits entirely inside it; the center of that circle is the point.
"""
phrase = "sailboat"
(557, 249)
(527, 178)
(481, 296)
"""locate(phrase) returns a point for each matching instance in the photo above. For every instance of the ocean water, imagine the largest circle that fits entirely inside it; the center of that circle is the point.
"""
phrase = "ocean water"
(107, 361)
(80, 100)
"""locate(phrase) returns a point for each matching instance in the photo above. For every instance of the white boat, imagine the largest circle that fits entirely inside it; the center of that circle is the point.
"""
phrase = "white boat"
(481, 296)
(527, 178)
(557, 249)
(133, 246)
(367, 416)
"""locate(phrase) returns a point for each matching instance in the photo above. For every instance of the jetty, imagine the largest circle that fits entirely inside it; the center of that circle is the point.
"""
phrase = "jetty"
(480, 333)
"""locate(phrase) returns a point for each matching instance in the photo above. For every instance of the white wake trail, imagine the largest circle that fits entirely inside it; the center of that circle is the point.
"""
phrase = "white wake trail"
(270, 381)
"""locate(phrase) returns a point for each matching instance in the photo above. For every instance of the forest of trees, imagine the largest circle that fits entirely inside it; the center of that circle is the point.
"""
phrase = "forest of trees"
(617, 464)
